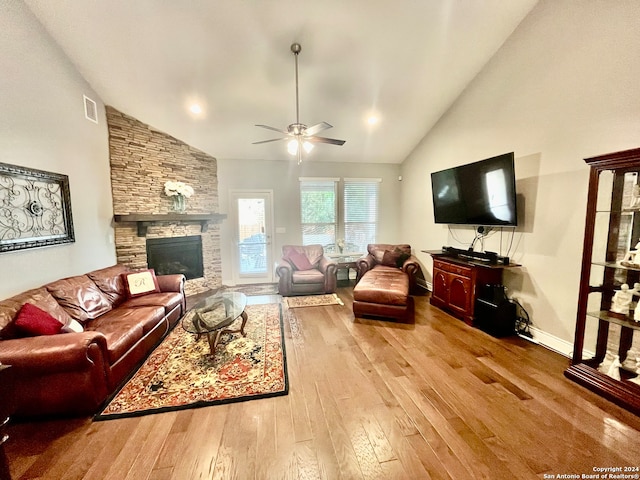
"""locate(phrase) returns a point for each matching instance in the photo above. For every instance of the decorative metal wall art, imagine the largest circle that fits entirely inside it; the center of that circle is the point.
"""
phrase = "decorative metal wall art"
(35, 208)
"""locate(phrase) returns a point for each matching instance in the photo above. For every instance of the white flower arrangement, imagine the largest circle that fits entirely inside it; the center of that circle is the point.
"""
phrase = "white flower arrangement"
(178, 188)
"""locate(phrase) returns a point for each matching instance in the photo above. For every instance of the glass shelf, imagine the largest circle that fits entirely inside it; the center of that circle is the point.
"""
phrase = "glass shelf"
(622, 210)
(615, 265)
(613, 318)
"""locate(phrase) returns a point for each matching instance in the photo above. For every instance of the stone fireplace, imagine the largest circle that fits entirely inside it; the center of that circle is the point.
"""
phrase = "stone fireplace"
(142, 159)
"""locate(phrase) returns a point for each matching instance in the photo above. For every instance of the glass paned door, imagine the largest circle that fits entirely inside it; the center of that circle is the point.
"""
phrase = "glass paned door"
(253, 234)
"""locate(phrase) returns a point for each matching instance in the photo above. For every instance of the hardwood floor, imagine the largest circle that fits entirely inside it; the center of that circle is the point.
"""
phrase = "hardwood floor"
(368, 399)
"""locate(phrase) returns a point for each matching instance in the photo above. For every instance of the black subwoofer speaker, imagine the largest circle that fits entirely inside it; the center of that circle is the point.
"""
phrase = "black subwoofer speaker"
(494, 313)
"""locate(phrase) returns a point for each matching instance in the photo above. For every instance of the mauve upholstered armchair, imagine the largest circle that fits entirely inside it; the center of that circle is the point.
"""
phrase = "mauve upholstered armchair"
(304, 270)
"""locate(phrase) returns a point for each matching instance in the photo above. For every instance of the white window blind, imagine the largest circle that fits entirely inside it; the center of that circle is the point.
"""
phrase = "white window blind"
(318, 207)
(360, 213)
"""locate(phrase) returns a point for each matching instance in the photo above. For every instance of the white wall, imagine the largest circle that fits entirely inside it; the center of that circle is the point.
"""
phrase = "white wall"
(282, 178)
(42, 126)
(562, 88)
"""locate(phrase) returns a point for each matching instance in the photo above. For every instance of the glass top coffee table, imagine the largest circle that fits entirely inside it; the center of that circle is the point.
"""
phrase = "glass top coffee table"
(213, 314)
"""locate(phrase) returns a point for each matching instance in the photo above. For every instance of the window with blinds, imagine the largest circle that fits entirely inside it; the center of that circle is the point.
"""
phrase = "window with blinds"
(319, 212)
(360, 213)
(340, 227)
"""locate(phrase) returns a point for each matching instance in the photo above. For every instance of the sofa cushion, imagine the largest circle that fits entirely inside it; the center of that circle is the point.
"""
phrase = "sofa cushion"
(140, 283)
(80, 297)
(298, 260)
(33, 321)
(314, 253)
(394, 258)
(390, 258)
(384, 285)
(307, 276)
(378, 254)
(40, 297)
(401, 259)
(109, 281)
(168, 300)
(124, 327)
(376, 250)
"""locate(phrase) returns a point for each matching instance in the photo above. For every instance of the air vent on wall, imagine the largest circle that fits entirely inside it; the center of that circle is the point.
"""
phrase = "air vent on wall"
(90, 109)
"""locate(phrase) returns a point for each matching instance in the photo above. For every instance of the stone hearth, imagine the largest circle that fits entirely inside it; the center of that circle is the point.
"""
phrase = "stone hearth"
(142, 160)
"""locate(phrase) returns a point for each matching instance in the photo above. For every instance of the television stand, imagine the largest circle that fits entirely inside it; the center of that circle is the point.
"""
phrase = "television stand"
(489, 257)
(457, 278)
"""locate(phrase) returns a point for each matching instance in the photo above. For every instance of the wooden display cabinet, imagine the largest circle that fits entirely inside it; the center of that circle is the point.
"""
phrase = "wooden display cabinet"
(612, 231)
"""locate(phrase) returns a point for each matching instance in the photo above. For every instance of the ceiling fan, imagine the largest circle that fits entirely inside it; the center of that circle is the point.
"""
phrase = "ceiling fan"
(299, 135)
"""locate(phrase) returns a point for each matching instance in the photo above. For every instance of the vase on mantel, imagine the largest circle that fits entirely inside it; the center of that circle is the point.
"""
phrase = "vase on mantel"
(179, 203)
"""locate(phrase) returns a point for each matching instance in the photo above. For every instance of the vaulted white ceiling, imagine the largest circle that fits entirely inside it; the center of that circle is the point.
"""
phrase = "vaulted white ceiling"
(405, 61)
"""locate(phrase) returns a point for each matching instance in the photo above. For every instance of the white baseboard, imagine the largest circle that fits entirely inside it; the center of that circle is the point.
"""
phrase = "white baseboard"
(540, 337)
(558, 345)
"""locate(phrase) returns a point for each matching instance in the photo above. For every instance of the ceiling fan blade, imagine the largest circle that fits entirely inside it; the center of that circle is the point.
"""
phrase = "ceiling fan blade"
(267, 141)
(318, 127)
(273, 128)
(331, 141)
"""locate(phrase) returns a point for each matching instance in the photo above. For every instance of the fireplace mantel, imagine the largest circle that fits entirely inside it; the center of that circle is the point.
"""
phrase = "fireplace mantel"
(145, 219)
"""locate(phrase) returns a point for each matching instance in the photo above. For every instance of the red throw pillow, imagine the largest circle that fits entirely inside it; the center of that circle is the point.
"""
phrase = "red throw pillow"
(299, 261)
(34, 321)
(141, 283)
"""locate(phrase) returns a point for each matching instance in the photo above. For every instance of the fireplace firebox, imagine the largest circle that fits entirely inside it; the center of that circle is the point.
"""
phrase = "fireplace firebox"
(176, 255)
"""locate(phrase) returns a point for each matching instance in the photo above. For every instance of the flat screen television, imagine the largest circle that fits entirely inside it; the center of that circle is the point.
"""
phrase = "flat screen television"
(479, 193)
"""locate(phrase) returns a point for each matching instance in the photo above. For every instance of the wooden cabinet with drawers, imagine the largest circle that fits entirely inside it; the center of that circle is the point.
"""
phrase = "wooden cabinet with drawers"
(456, 282)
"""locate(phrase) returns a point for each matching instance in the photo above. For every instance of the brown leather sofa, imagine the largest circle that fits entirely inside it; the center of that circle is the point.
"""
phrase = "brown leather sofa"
(313, 273)
(387, 276)
(73, 373)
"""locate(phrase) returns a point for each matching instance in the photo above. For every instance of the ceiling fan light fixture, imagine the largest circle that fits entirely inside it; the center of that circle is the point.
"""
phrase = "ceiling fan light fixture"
(308, 146)
(301, 137)
(292, 146)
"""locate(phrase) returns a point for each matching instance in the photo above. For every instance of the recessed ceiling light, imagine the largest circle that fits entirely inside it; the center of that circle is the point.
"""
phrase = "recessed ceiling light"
(195, 109)
(372, 119)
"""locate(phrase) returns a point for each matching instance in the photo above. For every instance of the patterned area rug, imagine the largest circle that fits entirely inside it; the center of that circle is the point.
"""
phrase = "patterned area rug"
(313, 301)
(180, 373)
(253, 289)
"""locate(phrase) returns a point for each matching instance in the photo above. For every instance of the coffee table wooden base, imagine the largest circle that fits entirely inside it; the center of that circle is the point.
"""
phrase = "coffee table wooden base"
(214, 337)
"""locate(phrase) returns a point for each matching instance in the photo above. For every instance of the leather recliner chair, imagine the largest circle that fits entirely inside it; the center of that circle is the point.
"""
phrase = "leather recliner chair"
(387, 277)
(403, 261)
(304, 270)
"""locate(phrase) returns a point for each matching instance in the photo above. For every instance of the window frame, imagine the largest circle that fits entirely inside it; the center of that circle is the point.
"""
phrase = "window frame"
(341, 225)
(319, 180)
